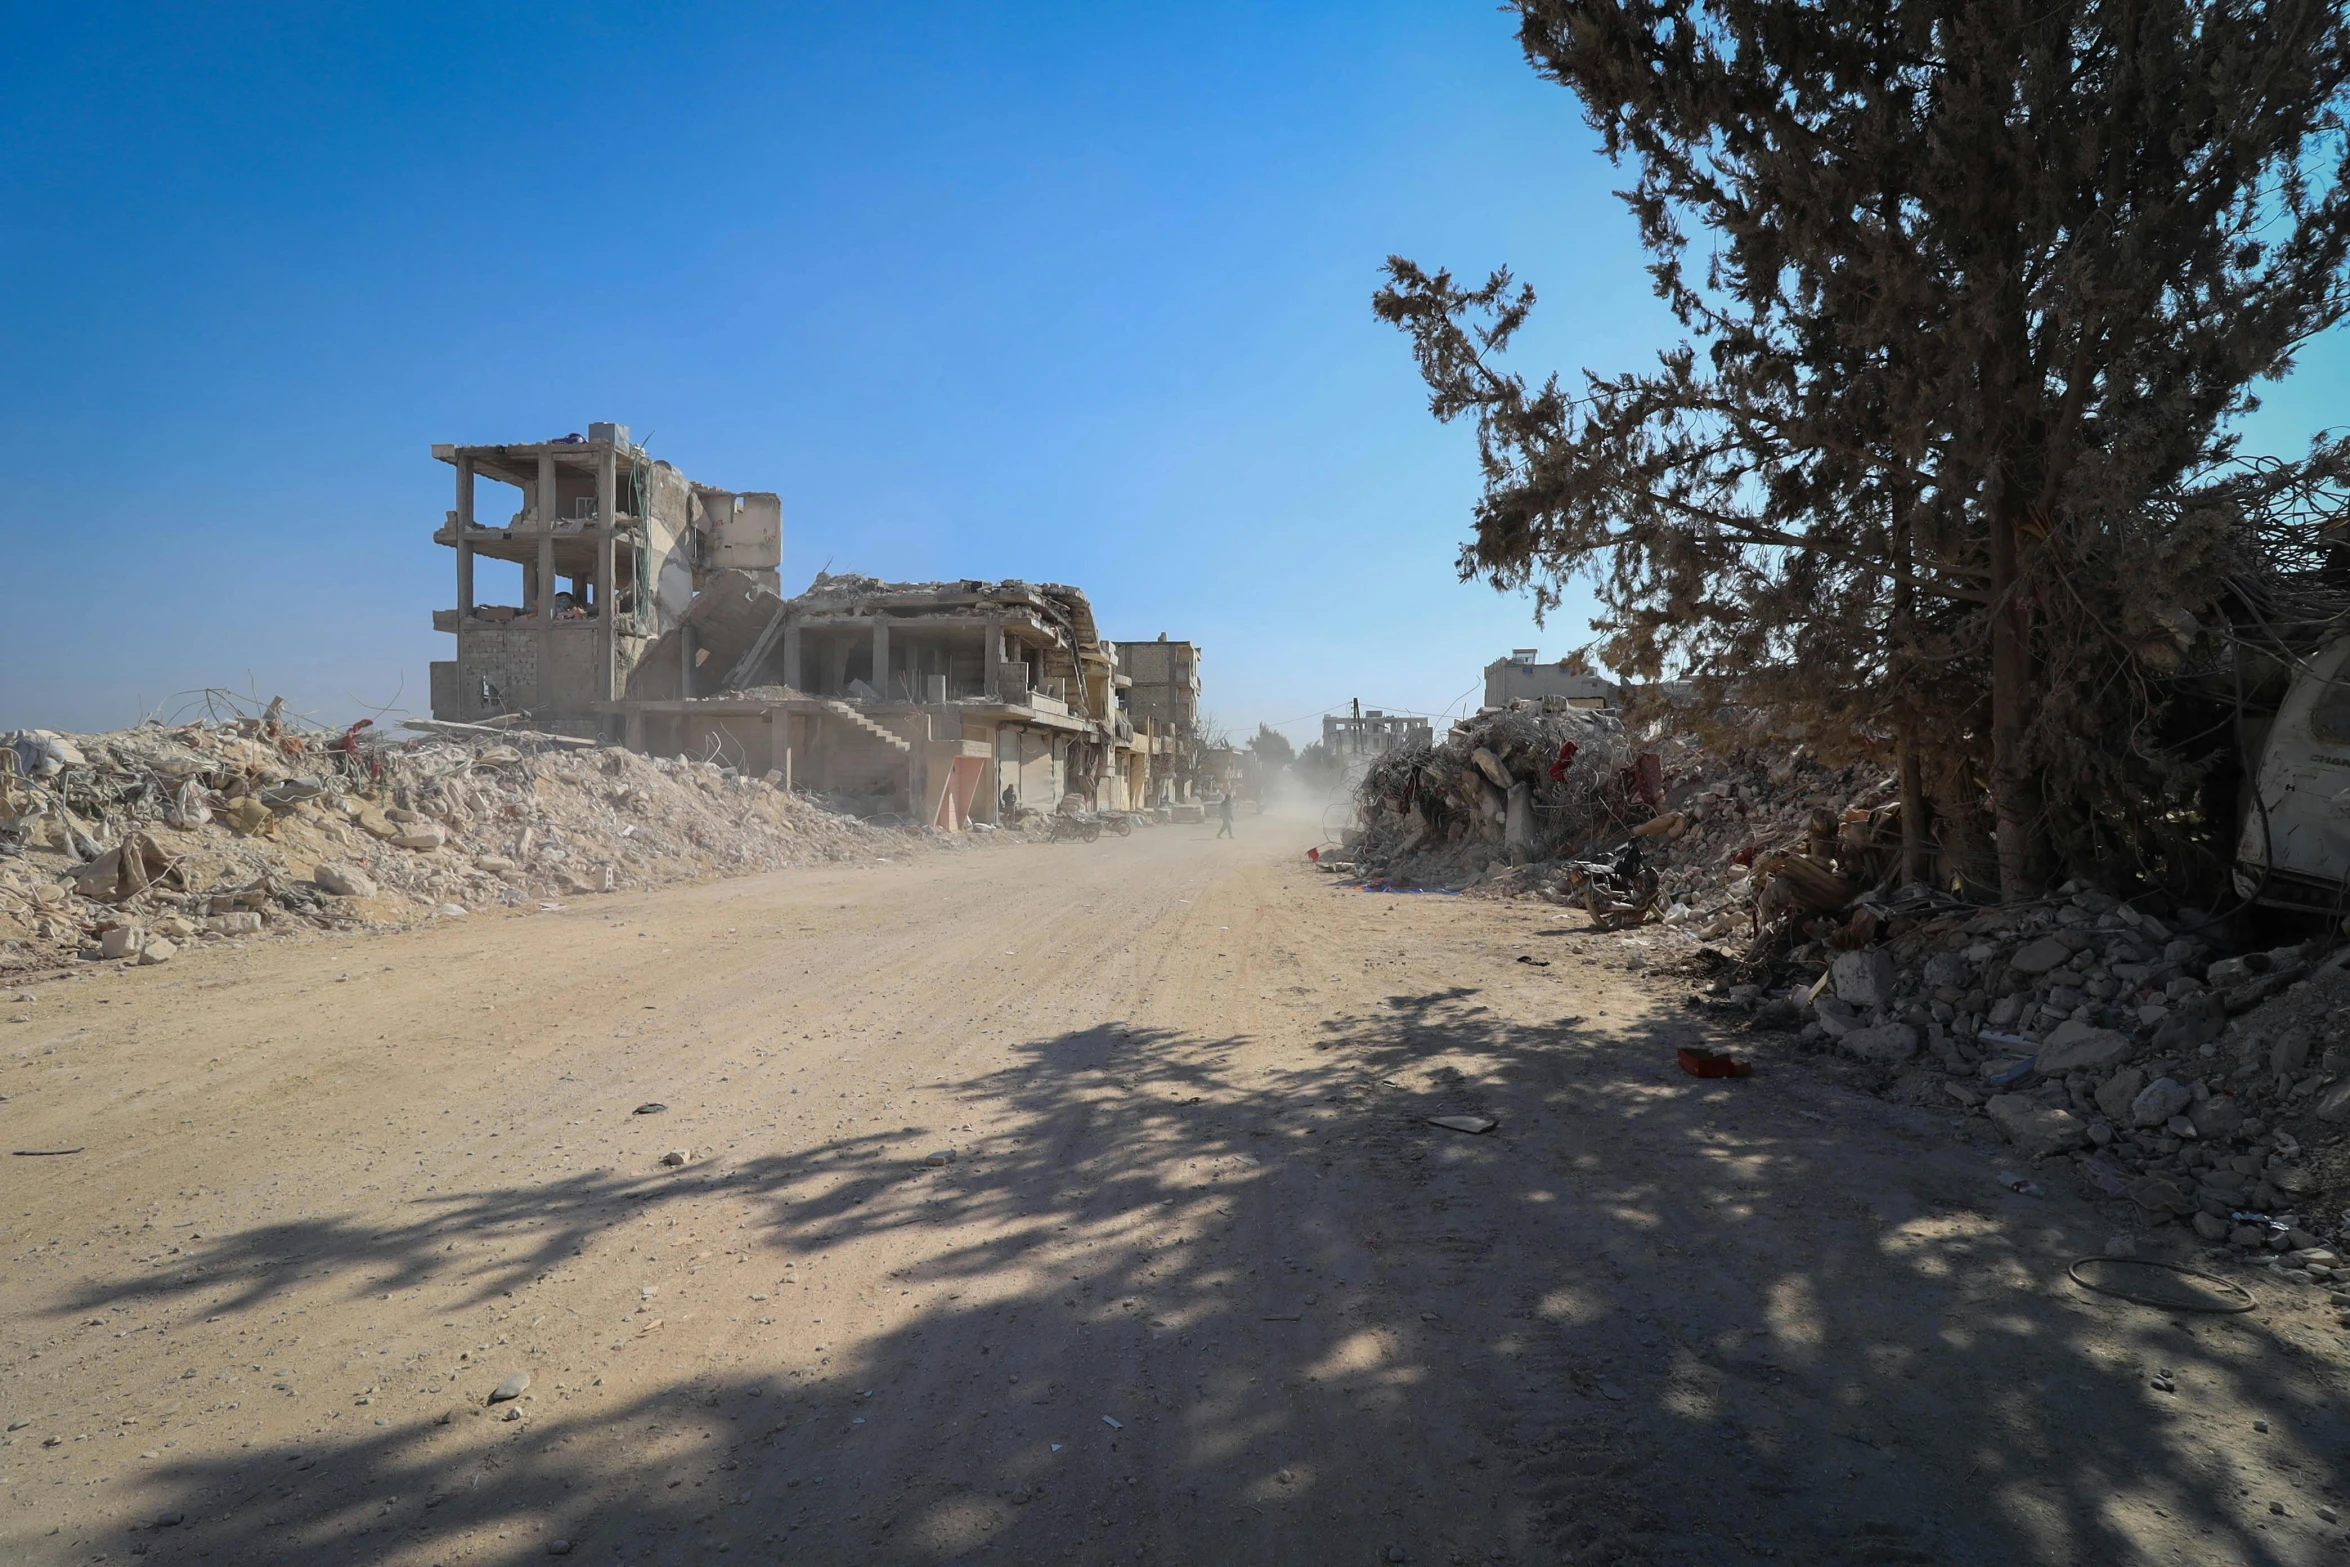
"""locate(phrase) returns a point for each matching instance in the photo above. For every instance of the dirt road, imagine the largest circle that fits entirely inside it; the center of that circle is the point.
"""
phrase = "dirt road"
(1200, 1283)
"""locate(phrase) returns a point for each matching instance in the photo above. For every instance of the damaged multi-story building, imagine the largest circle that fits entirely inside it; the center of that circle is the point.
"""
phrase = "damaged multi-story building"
(649, 613)
(603, 556)
(1356, 734)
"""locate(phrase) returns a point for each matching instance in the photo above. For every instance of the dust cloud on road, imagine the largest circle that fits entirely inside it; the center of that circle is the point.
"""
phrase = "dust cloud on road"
(1069, 1203)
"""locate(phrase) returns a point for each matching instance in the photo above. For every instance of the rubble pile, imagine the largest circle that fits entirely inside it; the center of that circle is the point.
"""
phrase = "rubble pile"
(1734, 828)
(2118, 1038)
(2200, 1087)
(1715, 830)
(1528, 782)
(133, 844)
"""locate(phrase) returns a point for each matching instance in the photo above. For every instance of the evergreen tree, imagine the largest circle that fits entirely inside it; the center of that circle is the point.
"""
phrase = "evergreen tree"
(1975, 293)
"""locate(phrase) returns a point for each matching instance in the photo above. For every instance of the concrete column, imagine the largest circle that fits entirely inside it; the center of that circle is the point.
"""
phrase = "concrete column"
(689, 643)
(544, 608)
(607, 572)
(992, 655)
(634, 736)
(881, 656)
(464, 543)
(791, 656)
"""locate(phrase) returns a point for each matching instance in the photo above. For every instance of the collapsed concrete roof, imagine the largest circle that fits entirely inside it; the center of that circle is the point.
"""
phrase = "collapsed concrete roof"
(847, 590)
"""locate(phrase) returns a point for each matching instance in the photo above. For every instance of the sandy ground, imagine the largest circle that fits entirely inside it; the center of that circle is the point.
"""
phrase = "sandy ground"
(1200, 1285)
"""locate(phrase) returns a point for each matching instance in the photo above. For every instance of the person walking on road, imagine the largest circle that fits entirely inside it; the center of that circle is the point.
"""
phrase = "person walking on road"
(1224, 813)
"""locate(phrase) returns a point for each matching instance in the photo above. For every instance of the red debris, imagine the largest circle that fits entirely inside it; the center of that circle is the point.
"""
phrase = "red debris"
(1698, 1062)
(1648, 774)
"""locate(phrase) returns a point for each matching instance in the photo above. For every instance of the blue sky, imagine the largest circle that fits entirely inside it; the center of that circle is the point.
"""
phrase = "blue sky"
(1074, 293)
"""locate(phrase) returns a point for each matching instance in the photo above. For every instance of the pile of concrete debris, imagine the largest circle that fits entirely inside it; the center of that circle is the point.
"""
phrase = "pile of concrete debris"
(2208, 1088)
(1523, 785)
(132, 844)
(1560, 803)
(2119, 1038)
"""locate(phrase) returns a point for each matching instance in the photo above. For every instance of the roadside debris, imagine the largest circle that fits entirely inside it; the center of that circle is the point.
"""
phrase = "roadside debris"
(2118, 1037)
(1521, 781)
(1472, 1124)
(1700, 1062)
(133, 846)
(513, 1387)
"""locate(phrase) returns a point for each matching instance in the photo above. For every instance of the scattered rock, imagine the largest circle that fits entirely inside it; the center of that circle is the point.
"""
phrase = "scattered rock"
(513, 1387)
(2080, 1047)
(1864, 978)
(2032, 1126)
(558, 1547)
(344, 881)
(677, 1156)
(122, 941)
(2211, 1227)
(1834, 1017)
(1472, 1124)
(2217, 1117)
(655, 1108)
(2116, 1092)
(157, 950)
(2158, 1101)
(2289, 1051)
(943, 1156)
(1890, 1043)
(2224, 972)
(2291, 1178)
(2157, 1195)
(2038, 957)
(2334, 1104)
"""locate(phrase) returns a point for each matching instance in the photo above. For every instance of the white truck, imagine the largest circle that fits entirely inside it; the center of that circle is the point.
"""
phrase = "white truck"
(2294, 849)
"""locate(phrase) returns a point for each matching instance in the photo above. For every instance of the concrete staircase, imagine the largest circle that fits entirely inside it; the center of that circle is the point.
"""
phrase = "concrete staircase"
(850, 715)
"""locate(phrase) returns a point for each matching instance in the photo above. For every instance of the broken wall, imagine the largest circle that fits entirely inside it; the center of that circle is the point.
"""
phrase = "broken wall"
(727, 617)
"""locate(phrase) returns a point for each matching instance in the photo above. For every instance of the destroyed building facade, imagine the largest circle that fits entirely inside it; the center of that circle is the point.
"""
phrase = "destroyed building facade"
(1355, 733)
(649, 613)
(944, 702)
(608, 549)
(1164, 699)
(1523, 677)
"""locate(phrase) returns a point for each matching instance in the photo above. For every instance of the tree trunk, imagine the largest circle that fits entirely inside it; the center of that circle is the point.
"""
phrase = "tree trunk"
(1905, 714)
(2014, 796)
(1913, 803)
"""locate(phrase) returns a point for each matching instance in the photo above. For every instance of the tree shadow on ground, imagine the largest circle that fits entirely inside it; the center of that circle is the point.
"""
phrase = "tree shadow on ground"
(1182, 1308)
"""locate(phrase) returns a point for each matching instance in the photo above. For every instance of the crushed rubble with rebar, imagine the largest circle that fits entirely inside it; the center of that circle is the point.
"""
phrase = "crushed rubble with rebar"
(134, 844)
(2123, 1044)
